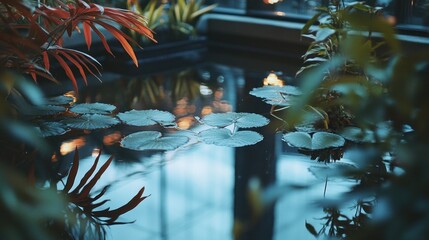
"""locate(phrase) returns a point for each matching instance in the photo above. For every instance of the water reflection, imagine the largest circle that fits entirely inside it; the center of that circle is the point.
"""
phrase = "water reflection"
(201, 192)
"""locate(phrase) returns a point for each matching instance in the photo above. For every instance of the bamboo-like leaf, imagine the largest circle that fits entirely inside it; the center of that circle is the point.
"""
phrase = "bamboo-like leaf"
(88, 187)
(122, 39)
(73, 171)
(87, 33)
(68, 71)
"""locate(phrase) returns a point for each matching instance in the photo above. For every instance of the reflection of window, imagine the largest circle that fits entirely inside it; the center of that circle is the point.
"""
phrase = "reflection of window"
(403, 12)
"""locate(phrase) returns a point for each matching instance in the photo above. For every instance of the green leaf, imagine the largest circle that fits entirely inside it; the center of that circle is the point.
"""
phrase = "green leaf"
(241, 120)
(90, 121)
(310, 22)
(332, 170)
(146, 117)
(356, 134)
(49, 129)
(311, 229)
(93, 108)
(152, 140)
(44, 110)
(224, 137)
(323, 33)
(319, 140)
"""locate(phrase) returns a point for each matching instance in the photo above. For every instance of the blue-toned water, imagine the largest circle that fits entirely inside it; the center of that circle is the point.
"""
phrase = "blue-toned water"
(203, 191)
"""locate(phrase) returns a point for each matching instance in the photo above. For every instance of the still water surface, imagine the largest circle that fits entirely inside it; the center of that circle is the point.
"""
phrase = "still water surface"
(202, 191)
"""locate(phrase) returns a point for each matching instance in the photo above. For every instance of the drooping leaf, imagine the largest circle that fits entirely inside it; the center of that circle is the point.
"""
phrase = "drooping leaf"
(59, 100)
(49, 129)
(152, 140)
(319, 140)
(241, 120)
(311, 229)
(93, 108)
(323, 33)
(91, 121)
(224, 137)
(146, 117)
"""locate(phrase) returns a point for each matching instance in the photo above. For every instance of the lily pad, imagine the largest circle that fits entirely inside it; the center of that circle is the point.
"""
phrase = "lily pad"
(356, 134)
(242, 120)
(319, 140)
(91, 121)
(59, 100)
(146, 117)
(224, 137)
(49, 129)
(93, 108)
(44, 110)
(275, 92)
(332, 170)
(152, 140)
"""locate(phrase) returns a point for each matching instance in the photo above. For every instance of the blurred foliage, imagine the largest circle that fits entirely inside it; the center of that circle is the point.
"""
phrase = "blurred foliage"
(183, 15)
(355, 64)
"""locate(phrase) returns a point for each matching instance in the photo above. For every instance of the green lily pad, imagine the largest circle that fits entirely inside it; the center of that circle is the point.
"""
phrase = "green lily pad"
(152, 140)
(332, 170)
(356, 134)
(59, 100)
(93, 108)
(275, 92)
(44, 110)
(242, 120)
(49, 129)
(224, 137)
(146, 117)
(319, 140)
(91, 121)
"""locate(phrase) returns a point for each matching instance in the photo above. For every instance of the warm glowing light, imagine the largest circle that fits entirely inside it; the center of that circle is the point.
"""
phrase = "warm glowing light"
(273, 80)
(206, 110)
(272, 1)
(185, 122)
(95, 152)
(112, 138)
(71, 94)
(69, 146)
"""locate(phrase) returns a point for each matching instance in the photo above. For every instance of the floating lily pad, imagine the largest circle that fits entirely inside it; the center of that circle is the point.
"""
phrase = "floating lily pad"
(59, 100)
(146, 117)
(152, 140)
(319, 140)
(93, 108)
(91, 121)
(275, 92)
(332, 170)
(242, 120)
(49, 129)
(224, 137)
(356, 134)
(44, 110)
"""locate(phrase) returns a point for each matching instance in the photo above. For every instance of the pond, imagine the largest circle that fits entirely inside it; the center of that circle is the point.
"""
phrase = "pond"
(203, 191)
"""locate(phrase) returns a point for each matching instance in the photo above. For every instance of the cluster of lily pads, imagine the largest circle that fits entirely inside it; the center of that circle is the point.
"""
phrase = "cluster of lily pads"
(308, 137)
(222, 129)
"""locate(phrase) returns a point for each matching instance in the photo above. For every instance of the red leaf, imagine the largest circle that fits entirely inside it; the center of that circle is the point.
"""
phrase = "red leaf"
(46, 60)
(73, 171)
(67, 70)
(87, 33)
(101, 36)
(91, 184)
(120, 36)
(76, 63)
